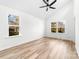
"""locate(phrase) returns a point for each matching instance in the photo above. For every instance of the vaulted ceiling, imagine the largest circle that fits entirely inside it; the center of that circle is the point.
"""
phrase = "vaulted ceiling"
(32, 6)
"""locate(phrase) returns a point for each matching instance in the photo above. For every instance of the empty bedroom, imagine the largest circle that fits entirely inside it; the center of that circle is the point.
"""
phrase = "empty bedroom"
(39, 29)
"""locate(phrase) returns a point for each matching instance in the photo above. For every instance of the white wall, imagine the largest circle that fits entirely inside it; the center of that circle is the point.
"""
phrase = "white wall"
(76, 10)
(65, 14)
(31, 28)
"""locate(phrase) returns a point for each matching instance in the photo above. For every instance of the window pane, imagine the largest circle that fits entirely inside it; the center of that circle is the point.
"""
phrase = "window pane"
(54, 30)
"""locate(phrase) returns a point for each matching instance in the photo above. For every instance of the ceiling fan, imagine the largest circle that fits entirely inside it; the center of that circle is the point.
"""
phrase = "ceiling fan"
(48, 5)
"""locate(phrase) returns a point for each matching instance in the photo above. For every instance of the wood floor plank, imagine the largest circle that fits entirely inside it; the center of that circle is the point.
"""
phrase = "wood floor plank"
(44, 48)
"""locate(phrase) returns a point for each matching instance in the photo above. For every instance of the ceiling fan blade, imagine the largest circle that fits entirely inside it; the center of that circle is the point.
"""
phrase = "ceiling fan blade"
(47, 9)
(45, 2)
(53, 2)
(43, 6)
(52, 7)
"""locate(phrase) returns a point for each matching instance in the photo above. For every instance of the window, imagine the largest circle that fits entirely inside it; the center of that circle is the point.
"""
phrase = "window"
(13, 25)
(54, 27)
(57, 27)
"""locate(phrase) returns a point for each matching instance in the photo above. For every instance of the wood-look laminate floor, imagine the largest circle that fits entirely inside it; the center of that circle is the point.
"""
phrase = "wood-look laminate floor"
(45, 48)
